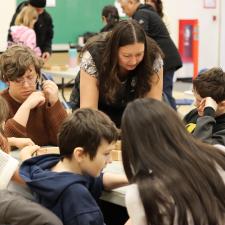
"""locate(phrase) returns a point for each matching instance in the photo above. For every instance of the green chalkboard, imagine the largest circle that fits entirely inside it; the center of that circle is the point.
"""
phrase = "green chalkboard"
(72, 18)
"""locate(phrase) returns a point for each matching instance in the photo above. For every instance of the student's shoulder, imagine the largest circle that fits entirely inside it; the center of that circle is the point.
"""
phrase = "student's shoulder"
(77, 189)
(78, 198)
(191, 116)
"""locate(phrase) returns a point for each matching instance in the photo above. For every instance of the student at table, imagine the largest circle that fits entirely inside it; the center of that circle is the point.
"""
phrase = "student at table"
(35, 114)
(118, 68)
(176, 178)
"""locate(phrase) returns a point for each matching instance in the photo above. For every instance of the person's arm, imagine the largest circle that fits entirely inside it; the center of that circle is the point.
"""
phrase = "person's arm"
(113, 180)
(134, 206)
(156, 82)
(206, 122)
(20, 142)
(50, 90)
(25, 153)
(54, 116)
(55, 112)
(89, 93)
(35, 99)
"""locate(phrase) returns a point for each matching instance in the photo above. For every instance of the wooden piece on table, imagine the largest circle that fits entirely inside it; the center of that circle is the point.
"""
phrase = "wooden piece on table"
(116, 155)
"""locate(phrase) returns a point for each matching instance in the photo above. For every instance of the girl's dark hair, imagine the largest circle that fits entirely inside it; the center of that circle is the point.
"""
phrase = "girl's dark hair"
(111, 15)
(126, 32)
(177, 176)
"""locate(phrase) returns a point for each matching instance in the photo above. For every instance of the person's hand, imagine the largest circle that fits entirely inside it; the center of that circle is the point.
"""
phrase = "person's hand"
(128, 222)
(37, 98)
(45, 56)
(50, 90)
(20, 142)
(200, 107)
(28, 152)
(210, 102)
(206, 102)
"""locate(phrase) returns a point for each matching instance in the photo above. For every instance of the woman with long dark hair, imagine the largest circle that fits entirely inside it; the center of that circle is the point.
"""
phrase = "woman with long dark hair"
(116, 68)
(176, 178)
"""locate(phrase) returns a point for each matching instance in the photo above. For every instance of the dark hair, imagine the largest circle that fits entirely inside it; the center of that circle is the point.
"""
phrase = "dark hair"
(158, 7)
(85, 128)
(125, 32)
(211, 83)
(111, 15)
(15, 61)
(177, 175)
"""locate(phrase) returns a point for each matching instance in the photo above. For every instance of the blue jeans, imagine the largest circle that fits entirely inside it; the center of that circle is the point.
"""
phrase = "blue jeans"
(168, 87)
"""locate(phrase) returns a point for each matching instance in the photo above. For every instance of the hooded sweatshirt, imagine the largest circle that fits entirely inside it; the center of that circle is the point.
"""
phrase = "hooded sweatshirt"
(26, 36)
(70, 196)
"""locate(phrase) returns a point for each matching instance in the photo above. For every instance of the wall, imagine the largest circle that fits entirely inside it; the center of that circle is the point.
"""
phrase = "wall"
(74, 17)
(208, 29)
(6, 11)
(222, 35)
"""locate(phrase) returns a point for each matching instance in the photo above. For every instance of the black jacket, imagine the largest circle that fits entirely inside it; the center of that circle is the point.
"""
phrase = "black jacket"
(43, 29)
(207, 128)
(156, 29)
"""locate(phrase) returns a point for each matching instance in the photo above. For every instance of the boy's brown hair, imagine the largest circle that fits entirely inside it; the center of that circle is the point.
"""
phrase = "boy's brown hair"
(85, 128)
(16, 60)
(211, 83)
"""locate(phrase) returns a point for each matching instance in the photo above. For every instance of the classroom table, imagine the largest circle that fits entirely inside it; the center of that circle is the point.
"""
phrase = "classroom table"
(116, 196)
(70, 73)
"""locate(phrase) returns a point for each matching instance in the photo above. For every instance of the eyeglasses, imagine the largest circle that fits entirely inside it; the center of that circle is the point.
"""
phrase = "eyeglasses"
(29, 79)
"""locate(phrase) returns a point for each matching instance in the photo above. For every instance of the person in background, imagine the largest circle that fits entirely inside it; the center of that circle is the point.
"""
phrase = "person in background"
(207, 120)
(34, 114)
(116, 68)
(43, 27)
(7, 143)
(69, 183)
(22, 32)
(17, 210)
(110, 17)
(157, 30)
(176, 179)
(157, 5)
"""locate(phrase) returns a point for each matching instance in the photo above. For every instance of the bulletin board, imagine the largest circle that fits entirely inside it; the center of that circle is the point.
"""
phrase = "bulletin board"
(72, 18)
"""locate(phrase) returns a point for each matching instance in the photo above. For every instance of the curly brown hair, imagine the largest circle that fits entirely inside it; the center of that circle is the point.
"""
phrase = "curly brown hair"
(211, 83)
(16, 60)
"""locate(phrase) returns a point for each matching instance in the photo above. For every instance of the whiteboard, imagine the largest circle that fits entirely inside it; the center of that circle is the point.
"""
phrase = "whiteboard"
(7, 9)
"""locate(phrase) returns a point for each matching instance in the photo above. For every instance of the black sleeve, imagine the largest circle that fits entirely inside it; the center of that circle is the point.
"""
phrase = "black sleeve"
(142, 18)
(47, 43)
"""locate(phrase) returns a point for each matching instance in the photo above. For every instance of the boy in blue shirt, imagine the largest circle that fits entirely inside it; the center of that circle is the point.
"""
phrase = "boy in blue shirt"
(69, 183)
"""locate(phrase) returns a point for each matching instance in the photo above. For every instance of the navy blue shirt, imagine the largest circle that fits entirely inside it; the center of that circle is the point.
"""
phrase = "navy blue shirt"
(70, 196)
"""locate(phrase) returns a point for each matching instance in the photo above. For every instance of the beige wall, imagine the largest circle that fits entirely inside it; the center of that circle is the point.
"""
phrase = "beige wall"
(7, 8)
(209, 30)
